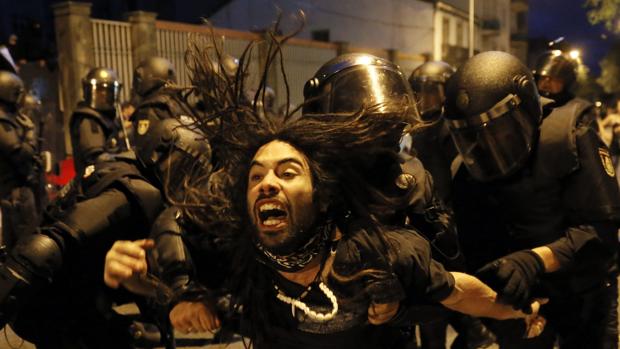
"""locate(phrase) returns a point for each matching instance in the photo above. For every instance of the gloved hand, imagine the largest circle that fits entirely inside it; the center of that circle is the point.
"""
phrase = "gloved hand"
(513, 277)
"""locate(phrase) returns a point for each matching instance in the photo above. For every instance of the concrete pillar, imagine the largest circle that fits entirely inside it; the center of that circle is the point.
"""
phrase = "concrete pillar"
(143, 35)
(392, 55)
(342, 47)
(74, 40)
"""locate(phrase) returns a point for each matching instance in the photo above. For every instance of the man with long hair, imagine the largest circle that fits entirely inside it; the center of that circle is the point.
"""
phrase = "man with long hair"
(311, 264)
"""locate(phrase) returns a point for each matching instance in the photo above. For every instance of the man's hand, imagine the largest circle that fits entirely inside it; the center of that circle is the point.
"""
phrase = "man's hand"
(125, 261)
(382, 313)
(190, 317)
(534, 323)
(513, 277)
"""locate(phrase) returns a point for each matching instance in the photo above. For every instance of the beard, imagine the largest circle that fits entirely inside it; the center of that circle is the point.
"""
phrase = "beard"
(298, 250)
(298, 234)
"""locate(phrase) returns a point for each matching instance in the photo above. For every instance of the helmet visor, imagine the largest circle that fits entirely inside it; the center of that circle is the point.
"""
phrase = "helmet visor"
(497, 148)
(430, 97)
(104, 96)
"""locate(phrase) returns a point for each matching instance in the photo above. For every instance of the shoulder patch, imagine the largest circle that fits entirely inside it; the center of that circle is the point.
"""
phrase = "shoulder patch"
(143, 126)
(608, 165)
(89, 170)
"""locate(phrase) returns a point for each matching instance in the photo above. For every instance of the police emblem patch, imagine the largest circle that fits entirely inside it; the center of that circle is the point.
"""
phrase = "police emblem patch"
(89, 170)
(608, 165)
(143, 126)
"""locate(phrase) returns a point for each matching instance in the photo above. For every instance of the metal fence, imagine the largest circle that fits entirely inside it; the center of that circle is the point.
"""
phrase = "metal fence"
(301, 60)
(113, 49)
(112, 44)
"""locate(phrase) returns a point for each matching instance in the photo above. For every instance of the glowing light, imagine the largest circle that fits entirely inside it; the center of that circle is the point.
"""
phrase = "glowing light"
(556, 52)
(364, 60)
(574, 54)
(375, 85)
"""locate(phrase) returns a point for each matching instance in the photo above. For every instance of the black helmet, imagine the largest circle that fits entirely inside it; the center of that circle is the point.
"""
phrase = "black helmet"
(556, 64)
(428, 83)
(350, 82)
(152, 73)
(269, 98)
(11, 88)
(101, 89)
(172, 149)
(30, 105)
(493, 111)
(229, 64)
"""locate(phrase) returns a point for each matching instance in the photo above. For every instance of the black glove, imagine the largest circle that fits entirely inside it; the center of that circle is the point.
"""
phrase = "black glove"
(513, 277)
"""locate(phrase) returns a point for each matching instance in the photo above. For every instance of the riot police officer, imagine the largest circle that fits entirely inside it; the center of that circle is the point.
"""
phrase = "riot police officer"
(433, 146)
(340, 86)
(431, 143)
(536, 203)
(20, 166)
(556, 77)
(95, 127)
(52, 289)
(428, 83)
(158, 98)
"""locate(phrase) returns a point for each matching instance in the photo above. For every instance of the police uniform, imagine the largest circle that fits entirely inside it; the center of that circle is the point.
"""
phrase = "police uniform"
(64, 262)
(566, 198)
(53, 294)
(92, 135)
(19, 177)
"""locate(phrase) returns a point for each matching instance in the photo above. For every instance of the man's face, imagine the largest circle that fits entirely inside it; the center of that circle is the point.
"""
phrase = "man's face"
(549, 85)
(280, 197)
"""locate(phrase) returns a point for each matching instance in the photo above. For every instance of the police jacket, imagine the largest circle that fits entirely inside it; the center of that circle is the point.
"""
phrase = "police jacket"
(566, 197)
(18, 157)
(92, 134)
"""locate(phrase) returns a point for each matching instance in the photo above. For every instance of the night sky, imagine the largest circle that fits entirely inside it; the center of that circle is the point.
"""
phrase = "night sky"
(555, 18)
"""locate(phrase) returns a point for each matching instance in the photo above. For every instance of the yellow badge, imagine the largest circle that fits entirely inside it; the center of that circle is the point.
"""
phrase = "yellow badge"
(89, 170)
(143, 126)
(606, 160)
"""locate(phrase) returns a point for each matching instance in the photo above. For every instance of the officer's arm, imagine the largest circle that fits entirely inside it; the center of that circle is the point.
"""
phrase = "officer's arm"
(471, 296)
(36, 259)
(592, 201)
(20, 154)
(173, 263)
(432, 217)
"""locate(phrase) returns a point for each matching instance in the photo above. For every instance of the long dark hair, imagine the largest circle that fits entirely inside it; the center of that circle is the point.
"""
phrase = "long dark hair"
(351, 159)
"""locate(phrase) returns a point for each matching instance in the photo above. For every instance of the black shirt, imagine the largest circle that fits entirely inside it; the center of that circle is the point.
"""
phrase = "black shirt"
(413, 279)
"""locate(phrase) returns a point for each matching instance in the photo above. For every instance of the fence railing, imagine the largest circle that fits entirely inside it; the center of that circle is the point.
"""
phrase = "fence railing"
(112, 44)
(302, 58)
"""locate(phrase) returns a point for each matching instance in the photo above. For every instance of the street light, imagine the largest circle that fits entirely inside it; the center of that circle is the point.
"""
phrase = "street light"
(574, 54)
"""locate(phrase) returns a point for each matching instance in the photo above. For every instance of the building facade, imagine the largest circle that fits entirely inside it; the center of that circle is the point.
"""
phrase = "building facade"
(518, 29)
(391, 24)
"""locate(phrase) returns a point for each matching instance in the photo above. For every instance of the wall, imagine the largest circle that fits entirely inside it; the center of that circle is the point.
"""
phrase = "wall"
(398, 24)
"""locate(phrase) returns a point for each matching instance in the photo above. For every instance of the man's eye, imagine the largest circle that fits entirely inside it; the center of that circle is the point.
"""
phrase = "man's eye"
(289, 174)
(255, 177)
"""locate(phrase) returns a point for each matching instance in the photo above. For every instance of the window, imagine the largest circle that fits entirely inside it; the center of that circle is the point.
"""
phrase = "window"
(320, 35)
(445, 31)
(460, 34)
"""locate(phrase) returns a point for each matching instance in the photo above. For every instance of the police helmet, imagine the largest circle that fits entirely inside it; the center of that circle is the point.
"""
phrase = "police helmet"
(493, 111)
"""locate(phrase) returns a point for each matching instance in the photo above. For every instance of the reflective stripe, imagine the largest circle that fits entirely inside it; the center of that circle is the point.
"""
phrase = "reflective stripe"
(507, 104)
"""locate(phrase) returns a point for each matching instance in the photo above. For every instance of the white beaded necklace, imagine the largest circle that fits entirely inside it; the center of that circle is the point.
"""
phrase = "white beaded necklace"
(297, 303)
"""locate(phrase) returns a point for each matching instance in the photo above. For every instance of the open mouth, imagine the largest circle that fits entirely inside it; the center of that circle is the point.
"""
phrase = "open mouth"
(272, 214)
